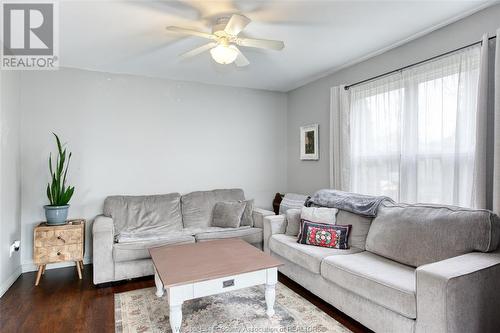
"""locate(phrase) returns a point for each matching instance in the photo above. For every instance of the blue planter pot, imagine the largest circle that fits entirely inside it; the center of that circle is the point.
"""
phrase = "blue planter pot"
(56, 215)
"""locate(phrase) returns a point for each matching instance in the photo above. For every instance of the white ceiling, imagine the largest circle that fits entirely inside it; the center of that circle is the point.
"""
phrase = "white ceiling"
(130, 36)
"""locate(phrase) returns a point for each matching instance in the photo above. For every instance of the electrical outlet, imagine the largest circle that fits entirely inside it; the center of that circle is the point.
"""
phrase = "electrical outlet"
(14, 247)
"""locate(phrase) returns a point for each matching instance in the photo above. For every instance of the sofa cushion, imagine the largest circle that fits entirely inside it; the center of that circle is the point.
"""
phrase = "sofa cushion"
(128, 251)
(197, 207)
(380, 280)
(416, 235)
(292, 222)
(140, 213)
(227, 214)
(143, 236)
(307, 256)
(360, 227)
(248, 234)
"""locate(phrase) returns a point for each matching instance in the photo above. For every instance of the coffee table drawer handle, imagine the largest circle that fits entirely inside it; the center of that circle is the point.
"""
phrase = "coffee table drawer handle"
(228, 283)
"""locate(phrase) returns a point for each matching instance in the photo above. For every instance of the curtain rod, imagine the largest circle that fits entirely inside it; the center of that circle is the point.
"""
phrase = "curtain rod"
(415, 64)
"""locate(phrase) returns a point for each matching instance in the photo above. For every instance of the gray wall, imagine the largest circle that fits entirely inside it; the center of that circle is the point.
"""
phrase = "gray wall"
(136, 135)
(10, 178)
(311, 103)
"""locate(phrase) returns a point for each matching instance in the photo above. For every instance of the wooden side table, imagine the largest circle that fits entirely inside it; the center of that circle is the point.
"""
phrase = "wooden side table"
(59, 243)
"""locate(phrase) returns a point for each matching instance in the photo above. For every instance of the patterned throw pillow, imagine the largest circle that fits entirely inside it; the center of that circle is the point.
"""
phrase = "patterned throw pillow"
(324, 235)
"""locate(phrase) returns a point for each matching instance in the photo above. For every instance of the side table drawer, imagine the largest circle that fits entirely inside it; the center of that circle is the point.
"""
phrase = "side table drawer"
(58, 237)
(51, 254)
(234, 282)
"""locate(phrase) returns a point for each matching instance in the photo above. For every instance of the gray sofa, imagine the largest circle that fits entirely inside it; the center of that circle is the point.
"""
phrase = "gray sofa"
(131, 225)
(413, 268)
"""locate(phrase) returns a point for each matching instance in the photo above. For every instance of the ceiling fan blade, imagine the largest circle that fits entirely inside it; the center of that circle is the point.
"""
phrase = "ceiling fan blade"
(241, 60)
(261, 43)
(198, 50)
(236, 24)
(191, 32)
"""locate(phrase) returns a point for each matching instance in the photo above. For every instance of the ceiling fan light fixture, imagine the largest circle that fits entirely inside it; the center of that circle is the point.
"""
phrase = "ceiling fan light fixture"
(224, 38)
(224, 54)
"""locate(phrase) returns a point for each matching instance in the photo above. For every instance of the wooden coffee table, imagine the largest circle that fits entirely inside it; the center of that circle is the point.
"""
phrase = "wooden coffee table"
(196, 270)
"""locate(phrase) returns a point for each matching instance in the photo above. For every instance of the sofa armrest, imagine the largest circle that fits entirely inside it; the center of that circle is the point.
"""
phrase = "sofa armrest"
(258, 216)
(103, 231)
(273, 225)
(460, 294)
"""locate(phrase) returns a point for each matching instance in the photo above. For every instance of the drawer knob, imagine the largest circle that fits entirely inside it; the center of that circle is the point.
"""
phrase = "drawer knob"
(58, 253)
(59, 237)
(228, 283)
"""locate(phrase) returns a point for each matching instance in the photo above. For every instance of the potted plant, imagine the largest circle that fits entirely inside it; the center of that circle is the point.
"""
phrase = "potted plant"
(58, 193)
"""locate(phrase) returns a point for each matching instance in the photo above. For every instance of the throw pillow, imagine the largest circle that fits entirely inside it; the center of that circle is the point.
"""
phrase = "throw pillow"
(292, 222)
(291, 201)
(227, 214)
(324, 235)
(247, 217)
(319, 214)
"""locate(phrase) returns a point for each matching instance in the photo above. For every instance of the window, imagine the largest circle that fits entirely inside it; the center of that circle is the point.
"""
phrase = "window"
(412, 134)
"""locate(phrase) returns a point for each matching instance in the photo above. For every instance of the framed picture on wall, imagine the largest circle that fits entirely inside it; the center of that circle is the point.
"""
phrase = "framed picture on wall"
(309, 142)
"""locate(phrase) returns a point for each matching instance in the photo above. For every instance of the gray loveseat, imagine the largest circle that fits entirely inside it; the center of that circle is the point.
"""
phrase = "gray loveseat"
(413, 268)
(131, 225)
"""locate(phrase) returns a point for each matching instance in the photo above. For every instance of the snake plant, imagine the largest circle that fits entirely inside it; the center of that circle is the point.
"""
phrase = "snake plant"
(57, 192)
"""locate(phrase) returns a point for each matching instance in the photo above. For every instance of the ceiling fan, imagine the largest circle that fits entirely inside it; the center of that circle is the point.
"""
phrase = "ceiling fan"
(224, 40)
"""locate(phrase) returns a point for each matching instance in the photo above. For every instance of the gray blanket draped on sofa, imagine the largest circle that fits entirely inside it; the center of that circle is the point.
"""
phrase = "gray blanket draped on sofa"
(366, 205)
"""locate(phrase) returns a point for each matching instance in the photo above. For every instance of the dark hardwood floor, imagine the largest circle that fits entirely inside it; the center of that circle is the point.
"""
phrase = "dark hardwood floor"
(63, 303)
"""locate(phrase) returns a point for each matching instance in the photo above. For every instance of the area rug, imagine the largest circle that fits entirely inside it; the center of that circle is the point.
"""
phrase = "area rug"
(236, 311)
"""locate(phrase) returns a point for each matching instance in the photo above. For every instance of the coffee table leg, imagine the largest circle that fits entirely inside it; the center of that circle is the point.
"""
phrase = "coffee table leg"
(272, 279)
(176, 296)
(270, 297)
(175, 317)
(159, 285)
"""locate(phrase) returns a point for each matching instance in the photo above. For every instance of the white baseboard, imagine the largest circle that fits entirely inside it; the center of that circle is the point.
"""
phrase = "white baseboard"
(5, 285)
(31, 267)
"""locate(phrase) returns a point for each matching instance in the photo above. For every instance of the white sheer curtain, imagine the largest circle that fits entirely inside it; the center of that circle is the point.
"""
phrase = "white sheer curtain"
(411, 135)
(486, 187)
(496, 143)
(375, 137)
(479, 198)
(439, 130)
(339, 139)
